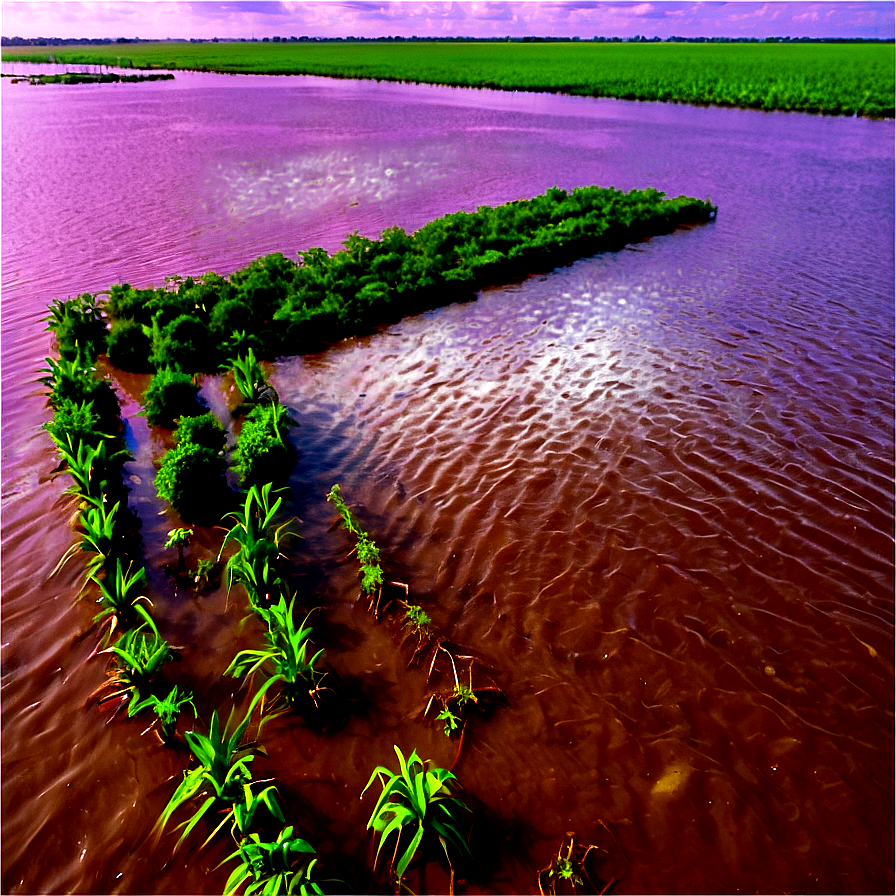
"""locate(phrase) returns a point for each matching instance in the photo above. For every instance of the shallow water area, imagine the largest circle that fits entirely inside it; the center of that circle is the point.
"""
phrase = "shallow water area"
(651, 492)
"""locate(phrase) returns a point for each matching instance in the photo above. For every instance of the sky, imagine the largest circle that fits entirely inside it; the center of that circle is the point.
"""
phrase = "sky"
(372, 18)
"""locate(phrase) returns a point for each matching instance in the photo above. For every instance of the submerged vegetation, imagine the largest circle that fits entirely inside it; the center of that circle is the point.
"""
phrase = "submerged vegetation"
(89, 78)
(840, 79)
(281, 307)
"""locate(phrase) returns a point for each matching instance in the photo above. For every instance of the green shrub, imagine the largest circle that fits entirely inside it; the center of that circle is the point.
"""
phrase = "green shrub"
(171, 394)
(262, 452)
(74, 380)
(191, 479)
(128, 346)
(126, 302)
(183, 343)
(78, 420)
(204, 430)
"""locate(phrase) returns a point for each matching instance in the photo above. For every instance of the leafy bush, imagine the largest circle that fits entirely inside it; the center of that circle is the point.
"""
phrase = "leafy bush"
(79, 420)
(171, 394)
(204, 430)
(262, 452)
(128, 346)
(183, 343)
(74, 380)
(191, 478)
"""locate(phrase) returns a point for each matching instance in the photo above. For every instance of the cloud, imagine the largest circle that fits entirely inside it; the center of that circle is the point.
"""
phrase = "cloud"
(481, 18)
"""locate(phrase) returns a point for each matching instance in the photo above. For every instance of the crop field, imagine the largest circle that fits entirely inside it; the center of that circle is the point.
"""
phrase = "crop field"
(838, 79)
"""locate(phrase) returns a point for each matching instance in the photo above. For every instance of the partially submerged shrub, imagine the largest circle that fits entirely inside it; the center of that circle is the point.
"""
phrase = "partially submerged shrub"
(171, 394)
(191, 478)
(128, 346)
(262, 452)
(183, 343)
(205, 430)
(79, 420)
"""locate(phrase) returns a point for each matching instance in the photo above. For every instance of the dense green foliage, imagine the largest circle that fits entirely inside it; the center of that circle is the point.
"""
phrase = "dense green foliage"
(262, 451)
(171, 394)
(90, 78)
(128, 346)
(78, 326)
(284, 307)
(833, 78)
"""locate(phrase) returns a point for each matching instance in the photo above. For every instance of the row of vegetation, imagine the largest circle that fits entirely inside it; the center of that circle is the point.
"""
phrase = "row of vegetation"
(419, 812)
(275, 306)
(839, 79)
(88, 78)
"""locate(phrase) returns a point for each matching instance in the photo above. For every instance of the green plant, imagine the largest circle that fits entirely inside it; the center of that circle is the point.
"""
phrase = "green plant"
(73, 379)
(204, 430)
(191, 478)
(371, 571)
(78, 325)
(137, 657)
(248, 375)
(262, 451)
(284, 866)
(414, 802)
(204, 573)
(121, 603)
(179, 538)
(167, 710)
(255, 563)
(79, 420)
(287, 652)
(128, 346)
(568, 869)
(171, 394)
(221, 775)
(91, 468)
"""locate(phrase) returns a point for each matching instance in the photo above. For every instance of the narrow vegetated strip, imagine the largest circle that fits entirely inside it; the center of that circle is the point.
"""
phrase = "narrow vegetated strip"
(88, 78)
(848, 79)
(454, 703)
(87, 429)
(279, 307)
(418, 803)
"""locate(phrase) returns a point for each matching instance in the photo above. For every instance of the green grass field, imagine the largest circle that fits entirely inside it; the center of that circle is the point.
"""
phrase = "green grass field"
(839, 79)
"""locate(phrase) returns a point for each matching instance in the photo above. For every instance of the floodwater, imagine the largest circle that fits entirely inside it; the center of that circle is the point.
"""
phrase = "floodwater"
(651, 492)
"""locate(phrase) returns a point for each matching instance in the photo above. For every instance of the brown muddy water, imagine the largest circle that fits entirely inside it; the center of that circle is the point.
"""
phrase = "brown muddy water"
(651, 492)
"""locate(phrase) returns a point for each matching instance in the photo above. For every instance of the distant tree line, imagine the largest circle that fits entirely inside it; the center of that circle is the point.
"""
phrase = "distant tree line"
(530, 39)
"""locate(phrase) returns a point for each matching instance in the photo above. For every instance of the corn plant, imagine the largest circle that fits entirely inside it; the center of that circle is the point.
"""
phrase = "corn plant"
(256, 561)
(244, 810)
(284, 866)
(221, 775)
(121, 602)
(249, 376)
(167, 710)
(415, 803)
(137, 658)
(89, 467)
(287, 652)
(78, 325)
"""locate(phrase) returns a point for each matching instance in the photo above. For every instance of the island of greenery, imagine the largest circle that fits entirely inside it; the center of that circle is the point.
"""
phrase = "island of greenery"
(88, 78)
(280, 307)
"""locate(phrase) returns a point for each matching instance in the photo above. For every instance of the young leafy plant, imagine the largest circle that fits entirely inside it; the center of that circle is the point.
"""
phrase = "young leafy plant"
(137, 657)
(221, 775)
(167, 710)
(287, 652)
(284, 866)
(262, 450)
(121, 603)
(179, 538)
(249, 377)
(256, 561)
(415, 803)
